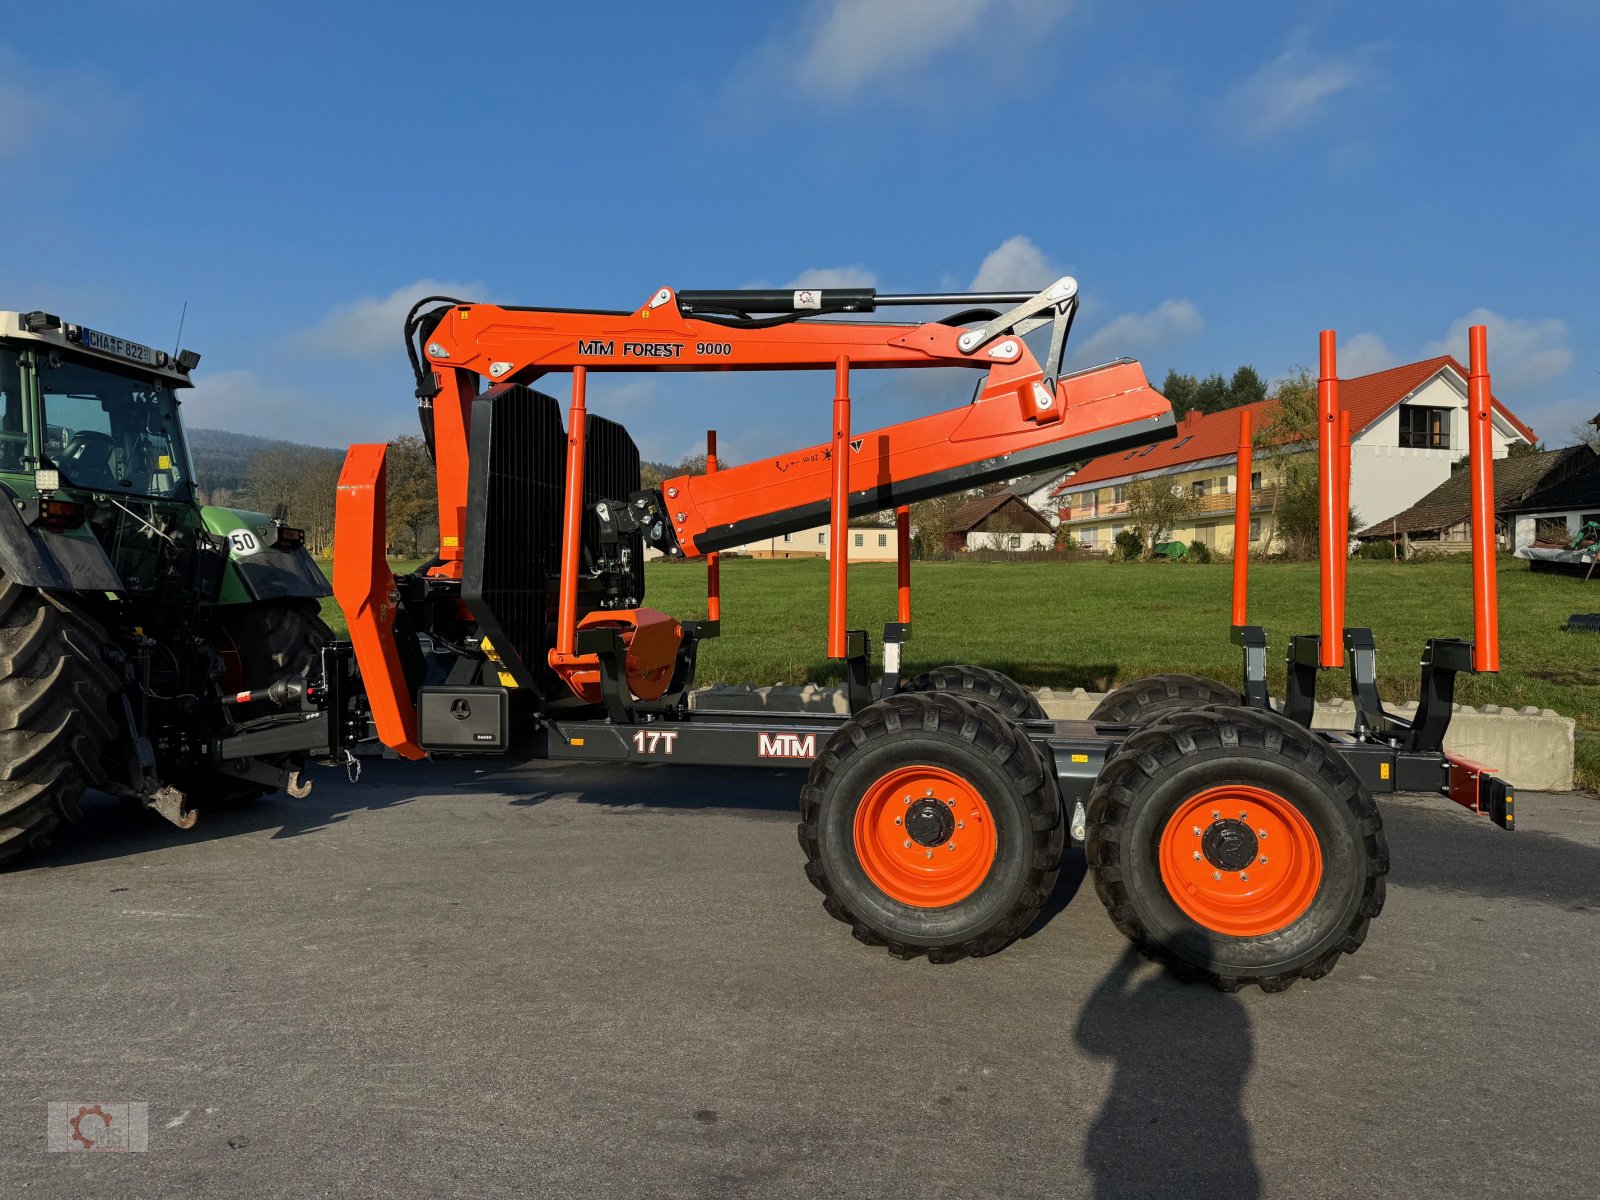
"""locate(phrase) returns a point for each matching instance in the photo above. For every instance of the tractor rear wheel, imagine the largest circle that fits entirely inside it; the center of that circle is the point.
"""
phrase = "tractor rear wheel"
(1145, 701)
(932, 827)
(982, 686)
(269, 640)
(1233, 845)
(55, 720)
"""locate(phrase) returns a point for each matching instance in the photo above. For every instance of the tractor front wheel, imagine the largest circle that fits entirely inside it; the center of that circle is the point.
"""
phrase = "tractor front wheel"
(1234, 846)
(932, 827)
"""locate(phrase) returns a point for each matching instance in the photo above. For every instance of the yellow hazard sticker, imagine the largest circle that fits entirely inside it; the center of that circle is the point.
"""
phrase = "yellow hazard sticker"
(577, 741)
(164, 462)
(1383, 770)
(1080, 758)
(450, 541)
(506, 679)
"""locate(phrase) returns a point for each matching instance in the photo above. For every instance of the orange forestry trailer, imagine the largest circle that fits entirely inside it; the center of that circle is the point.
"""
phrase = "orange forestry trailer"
(1226, 837)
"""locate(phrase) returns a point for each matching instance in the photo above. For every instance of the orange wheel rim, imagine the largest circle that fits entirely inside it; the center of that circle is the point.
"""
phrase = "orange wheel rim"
(925, 836)
(1240, 860)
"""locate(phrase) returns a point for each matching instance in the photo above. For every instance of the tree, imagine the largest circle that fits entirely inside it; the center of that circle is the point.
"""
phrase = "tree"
(1246, 387)
(412, 493)
(1156, 507)
(930, 524)
(1214, 393)
(1287, 442)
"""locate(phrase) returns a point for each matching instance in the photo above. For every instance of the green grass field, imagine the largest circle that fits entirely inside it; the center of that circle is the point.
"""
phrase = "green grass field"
(1097, 624)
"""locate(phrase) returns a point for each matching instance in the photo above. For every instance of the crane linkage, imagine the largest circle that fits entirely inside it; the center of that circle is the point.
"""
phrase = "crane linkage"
(474, 360)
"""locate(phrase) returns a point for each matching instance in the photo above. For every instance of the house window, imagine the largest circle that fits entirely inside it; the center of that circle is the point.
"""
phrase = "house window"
(883, 539)
(1014, 542)
(822, 537)
(1090, 537)
(861, 539)
(1199, 487)
(1255, 529)
(1424, 428)
(786, 537)
(1118, 495)
(1255, 480)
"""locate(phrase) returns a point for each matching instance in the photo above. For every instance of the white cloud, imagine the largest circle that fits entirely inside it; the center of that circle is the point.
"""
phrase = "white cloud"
(33, 103)
(1521, 353)
(1135, 335)
(1016, 264)
(839, 47)
(372, 324)
(856, 275)
(1364, 353)
(1292, 88)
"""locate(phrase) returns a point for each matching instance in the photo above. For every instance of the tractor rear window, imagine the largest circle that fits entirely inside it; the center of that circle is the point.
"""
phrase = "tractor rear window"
(112, 432)
(13, 434)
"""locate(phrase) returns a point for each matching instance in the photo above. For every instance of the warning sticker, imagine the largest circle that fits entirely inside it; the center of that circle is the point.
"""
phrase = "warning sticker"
(808, 299)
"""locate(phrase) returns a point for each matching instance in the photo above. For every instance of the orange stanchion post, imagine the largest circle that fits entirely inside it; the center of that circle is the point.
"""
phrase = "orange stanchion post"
(1480, 441)
(1332, 647)
(713, 559)
(839, 513)
(1241, 524)
(572, 523)
(902, 529)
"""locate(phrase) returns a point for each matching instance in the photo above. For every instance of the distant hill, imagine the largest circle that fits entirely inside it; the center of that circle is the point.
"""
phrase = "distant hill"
(222, 459)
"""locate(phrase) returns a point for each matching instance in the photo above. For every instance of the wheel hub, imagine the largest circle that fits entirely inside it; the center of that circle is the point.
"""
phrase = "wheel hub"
(930, 822)
(1230, 844)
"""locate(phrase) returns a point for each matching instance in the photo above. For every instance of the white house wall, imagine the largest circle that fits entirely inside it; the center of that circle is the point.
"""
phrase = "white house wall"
(1387, 478)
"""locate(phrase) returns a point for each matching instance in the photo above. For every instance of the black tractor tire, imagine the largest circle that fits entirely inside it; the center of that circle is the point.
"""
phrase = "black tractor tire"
(274, 639)
(56, 722)
(1145, 701)
(982, 686)
(851, 816)
(1160, 787)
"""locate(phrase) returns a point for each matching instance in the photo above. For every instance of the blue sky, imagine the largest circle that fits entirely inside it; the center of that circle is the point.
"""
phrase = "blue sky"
(1224, 180)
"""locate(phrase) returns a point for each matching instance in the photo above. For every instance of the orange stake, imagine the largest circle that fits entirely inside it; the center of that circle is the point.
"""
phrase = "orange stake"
(902, 529)
(713, 559)
(839, 514)
(1485, 587)
(572, 524)
(1241, 524)
(1328, 501)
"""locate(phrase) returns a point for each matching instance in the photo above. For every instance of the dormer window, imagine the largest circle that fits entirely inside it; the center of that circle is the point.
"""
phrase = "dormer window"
(1424, 428)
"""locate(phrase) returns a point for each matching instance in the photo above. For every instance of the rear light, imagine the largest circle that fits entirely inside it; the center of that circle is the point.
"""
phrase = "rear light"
(56, 515)
(289, 538)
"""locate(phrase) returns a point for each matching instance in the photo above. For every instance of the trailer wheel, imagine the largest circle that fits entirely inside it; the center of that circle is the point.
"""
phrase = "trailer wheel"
(1146, 701)
(55, 723)
(267, 641)
(1233, 845)
(932, 827)
(982, 686)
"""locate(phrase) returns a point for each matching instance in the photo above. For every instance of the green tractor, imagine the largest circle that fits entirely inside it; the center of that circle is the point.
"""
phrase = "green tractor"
(137, 627)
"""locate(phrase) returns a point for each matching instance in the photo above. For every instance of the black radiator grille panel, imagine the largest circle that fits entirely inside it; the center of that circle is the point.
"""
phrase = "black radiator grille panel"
(514, 501)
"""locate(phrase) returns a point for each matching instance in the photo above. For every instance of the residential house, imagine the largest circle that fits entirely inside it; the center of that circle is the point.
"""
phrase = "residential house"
(1407, 427)
(1564, 507)
(1003, 521)
(869, 541)
(1441, 520)
(1038, 492)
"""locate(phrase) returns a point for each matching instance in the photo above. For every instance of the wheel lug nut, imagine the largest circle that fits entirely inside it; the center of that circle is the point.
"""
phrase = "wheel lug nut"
(951, 803)
(929, 854)
(897, 821)
(908, 799)
(908, 843)
(929, 792)
(1263, 860)
(1197, 856)
(1216, 874)
(961, 824)
(1244, 875)
(1262, 834)
(1197, 831)
(951, 846)
(1215, 815)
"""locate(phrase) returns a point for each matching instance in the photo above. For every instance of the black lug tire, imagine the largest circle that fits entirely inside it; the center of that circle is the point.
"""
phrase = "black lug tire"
(989, 751)
(982, 686)
(1159, 767)
(55, 720)
(1145, 701)
(275, 639)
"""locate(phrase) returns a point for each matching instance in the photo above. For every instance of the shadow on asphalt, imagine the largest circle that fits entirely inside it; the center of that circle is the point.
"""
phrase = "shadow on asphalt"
(1173, 1120)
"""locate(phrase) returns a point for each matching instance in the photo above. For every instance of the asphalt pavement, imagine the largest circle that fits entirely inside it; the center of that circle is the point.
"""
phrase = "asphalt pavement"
(594, 981)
